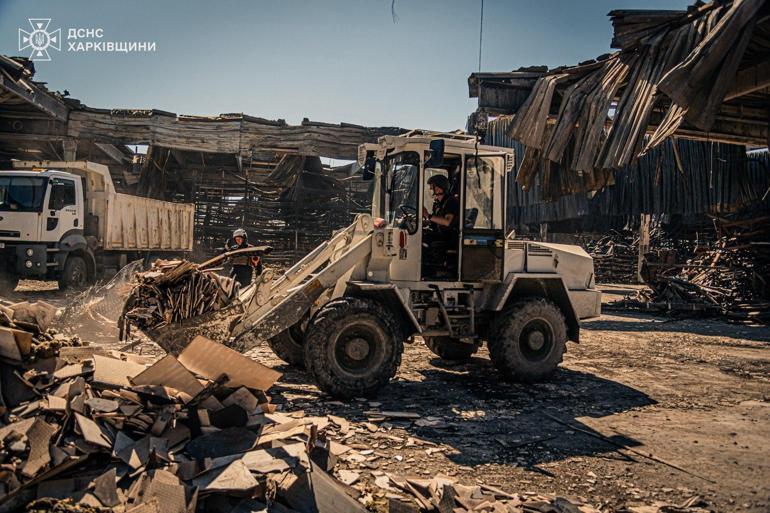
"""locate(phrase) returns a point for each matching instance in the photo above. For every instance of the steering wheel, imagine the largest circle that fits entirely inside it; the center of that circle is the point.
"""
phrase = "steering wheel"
(409, 221)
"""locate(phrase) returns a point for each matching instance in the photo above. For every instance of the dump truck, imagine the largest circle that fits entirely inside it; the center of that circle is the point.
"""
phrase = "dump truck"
(345, 310)
(64, 221)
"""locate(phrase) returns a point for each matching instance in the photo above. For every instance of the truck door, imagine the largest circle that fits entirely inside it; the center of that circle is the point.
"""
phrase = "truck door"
(483, 228)
(63, 212)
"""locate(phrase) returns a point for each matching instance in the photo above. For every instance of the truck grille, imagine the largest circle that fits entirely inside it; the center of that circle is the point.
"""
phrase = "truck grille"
(515, 244)
(9, 233)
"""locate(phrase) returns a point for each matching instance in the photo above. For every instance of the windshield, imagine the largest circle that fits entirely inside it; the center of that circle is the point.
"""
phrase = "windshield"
(403, 175)
(21, 193)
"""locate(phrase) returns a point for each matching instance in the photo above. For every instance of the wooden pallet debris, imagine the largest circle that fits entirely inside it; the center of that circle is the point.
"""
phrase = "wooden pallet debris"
(175, 290)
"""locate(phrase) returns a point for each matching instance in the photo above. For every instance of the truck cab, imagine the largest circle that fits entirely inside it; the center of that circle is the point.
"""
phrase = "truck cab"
(41, 220)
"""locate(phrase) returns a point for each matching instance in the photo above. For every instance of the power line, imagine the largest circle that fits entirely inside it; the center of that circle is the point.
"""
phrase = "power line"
(481, 32)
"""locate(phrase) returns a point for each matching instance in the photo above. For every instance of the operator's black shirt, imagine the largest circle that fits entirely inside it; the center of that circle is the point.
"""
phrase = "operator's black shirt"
(447, 205)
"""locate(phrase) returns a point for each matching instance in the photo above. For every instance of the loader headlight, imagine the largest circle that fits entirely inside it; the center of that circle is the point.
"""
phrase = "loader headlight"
(30, 252)
(28, 264)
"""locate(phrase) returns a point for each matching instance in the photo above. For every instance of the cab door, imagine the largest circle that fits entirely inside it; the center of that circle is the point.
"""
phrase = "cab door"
(483, 215)
(63, 209)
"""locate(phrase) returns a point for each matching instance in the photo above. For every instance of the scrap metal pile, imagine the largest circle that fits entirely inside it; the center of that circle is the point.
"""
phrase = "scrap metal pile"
(174, 290)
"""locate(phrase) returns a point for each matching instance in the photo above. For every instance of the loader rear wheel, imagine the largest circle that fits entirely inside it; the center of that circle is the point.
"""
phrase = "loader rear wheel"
(353, 347)
(448, 348)
(528, 340)
(288, 346)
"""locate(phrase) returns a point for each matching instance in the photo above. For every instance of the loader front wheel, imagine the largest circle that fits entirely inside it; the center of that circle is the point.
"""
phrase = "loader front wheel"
(528, 340)
(448, 348)
(288, 346)
(353, 347)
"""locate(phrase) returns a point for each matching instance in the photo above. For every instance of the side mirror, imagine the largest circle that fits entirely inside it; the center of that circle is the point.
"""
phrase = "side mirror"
(367, 170)
(436, 153)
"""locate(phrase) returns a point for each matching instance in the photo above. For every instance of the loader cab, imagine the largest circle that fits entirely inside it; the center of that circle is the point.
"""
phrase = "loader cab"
(473, 250)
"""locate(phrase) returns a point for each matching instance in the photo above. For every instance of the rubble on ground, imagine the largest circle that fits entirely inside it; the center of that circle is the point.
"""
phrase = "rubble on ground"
(88, 429)
(26, 333)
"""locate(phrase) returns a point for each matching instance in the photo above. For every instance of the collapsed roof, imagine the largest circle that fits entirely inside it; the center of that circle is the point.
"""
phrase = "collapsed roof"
(701, 74)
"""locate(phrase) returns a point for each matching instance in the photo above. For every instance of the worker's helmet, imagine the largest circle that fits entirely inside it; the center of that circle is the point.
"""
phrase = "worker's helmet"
(240, 232)
(439, 181)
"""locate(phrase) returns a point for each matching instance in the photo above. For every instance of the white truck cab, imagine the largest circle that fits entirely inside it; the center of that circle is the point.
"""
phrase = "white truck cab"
(39, 211)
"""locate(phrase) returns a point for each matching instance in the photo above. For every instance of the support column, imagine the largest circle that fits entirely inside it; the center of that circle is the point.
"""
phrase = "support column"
(644, 244)
(70, 147)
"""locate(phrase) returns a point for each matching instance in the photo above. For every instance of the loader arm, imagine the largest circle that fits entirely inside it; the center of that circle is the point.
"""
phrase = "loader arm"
(281, 303)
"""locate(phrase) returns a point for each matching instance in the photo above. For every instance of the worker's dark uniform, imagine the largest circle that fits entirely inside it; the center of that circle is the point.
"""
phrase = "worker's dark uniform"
(243, 265)
(441, 208)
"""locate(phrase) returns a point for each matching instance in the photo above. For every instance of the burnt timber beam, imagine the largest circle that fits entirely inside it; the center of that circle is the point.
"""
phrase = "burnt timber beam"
(113, 152)
(749, 80)
(35, 96)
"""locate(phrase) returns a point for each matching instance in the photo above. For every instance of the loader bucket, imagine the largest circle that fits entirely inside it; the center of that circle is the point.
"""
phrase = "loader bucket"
(214, 325)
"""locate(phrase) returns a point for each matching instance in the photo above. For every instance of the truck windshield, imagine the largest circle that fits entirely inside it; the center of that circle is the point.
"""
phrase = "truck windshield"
(21, 193)
(403, 188)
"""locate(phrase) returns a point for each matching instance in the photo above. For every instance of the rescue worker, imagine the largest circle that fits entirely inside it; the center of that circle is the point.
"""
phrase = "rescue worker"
(445, 217)
(441, 230)
(243, 265)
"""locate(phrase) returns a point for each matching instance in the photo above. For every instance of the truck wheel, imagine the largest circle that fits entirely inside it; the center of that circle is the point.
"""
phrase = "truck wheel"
(528, 340)
(353, 347)
(448, 348)
(287, 346)
(75, 273)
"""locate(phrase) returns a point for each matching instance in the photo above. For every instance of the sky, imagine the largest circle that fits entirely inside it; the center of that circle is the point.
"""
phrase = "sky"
(332, 61)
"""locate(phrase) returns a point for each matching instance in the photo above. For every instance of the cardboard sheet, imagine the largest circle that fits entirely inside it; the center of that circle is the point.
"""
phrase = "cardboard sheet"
(210, 359)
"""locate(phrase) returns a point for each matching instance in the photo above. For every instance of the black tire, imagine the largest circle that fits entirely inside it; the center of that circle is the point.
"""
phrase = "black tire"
(353, 347)
(288, 346)
(75, 273)
(448, 348)
(528, 340)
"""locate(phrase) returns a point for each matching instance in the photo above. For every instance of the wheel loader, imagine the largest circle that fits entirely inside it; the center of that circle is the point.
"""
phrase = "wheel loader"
(346, 309)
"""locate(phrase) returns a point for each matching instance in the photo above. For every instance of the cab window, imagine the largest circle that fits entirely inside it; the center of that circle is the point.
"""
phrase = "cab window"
(62, 194)
(481, 193)
(403, 180)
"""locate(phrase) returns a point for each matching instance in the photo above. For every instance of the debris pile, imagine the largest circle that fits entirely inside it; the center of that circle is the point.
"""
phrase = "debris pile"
(731, 280)
(175, 290)
(442, 493)
(99, 429)
(88, 429)
(26, 333)
(615, 257)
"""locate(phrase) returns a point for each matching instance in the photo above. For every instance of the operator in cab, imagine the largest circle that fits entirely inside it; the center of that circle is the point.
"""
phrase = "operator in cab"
(243, 265)
(444, 220)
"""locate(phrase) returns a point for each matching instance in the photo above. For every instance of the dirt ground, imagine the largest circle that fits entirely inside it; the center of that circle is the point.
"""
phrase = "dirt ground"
(692, 394)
